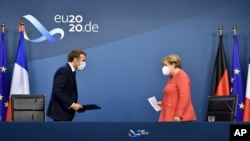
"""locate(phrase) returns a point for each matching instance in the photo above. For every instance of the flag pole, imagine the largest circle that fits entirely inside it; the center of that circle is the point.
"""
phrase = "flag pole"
(220, 30)
(3, 26)
(22, 25)
(234, 29)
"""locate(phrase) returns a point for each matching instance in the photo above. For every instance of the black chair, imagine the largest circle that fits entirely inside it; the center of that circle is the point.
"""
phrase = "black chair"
(28, 107)
(222, 107)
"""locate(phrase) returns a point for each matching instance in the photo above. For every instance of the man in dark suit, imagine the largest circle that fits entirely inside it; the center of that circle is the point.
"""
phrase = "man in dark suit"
(63, 102)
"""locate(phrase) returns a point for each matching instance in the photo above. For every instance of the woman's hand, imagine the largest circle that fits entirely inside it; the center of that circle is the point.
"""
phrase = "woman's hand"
(159, 103)
(177, 118)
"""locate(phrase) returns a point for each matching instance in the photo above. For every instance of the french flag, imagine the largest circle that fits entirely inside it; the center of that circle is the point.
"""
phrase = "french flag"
(20, 77)
(246, 115)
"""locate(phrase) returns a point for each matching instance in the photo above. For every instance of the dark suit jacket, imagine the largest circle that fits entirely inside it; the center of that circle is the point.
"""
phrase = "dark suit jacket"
(64, 93)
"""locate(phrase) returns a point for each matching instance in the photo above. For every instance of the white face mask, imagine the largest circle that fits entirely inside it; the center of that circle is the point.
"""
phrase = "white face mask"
(165, 70)
(81, 66)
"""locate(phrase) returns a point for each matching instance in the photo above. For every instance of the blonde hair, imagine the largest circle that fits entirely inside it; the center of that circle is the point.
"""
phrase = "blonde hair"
(173, 58)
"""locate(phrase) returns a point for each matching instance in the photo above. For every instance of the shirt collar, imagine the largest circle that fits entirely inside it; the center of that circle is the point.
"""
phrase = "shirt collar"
(72, 68)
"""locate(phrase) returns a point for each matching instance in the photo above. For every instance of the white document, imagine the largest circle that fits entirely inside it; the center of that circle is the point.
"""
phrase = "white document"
(153, 102)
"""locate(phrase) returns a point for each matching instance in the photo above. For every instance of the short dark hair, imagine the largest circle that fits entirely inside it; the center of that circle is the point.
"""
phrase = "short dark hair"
(75, 54)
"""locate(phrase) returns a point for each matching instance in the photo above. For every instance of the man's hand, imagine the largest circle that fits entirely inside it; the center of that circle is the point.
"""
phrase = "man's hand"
(76, 106)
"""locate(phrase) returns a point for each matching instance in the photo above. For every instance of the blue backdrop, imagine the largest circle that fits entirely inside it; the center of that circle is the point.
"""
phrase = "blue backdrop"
(125, 42)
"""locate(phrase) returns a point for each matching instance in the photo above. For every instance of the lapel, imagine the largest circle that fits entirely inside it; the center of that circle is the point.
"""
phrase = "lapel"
(73, 74)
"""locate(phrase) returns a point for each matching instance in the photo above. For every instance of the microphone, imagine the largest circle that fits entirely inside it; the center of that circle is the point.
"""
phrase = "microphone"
(33, 110)
(229, 107)
(231, 110)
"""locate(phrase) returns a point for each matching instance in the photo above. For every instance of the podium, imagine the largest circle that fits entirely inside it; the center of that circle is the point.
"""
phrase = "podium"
(222, 107)
(28, 107)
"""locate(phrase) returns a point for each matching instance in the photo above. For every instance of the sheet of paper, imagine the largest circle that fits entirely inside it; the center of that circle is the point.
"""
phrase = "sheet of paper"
(153, 102)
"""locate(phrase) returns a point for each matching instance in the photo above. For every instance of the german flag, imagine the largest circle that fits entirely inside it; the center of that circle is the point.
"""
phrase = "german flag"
(220, 84)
